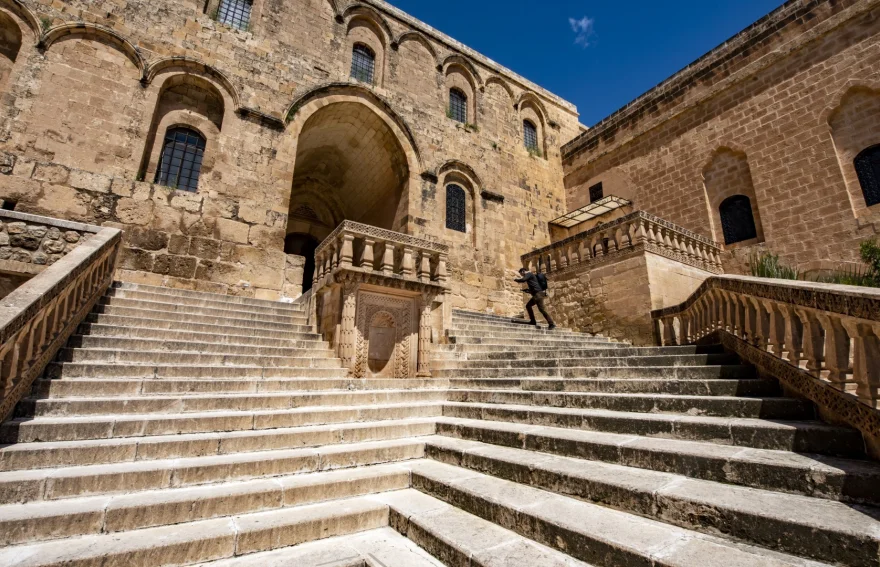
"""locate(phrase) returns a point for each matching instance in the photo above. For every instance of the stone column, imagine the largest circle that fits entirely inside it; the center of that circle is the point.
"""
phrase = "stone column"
(425, 331)
(348, 326)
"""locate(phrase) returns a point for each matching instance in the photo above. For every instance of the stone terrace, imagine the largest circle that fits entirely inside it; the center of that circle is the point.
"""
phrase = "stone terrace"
(184, 428)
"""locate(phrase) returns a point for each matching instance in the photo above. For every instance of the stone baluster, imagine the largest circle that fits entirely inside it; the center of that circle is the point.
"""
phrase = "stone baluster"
(387, 262)
(793, 336)
(866, 360)
(669, 337)
(641, 232)
(442, 275)
(346, 250)
(776, 335)
(407, 263)
(368, 258)
(762, 323)
(561, 257)
(837, 350)
(813, 341)
(424, 266)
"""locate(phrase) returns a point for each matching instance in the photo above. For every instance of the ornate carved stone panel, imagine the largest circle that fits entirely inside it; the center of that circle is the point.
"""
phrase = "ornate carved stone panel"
(387, 330)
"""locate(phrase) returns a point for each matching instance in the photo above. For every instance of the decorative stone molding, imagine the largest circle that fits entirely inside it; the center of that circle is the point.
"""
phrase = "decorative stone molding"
(398, 312)
(796, 329)
(37, 318)
(636, 231)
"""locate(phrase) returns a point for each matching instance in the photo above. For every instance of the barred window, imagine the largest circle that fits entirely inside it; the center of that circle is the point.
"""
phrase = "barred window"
(456, 202)
(235, 13)
(363, 63)
(530, 135)
(868, 168)
(737, 220)
(458, 106)
(181, 160)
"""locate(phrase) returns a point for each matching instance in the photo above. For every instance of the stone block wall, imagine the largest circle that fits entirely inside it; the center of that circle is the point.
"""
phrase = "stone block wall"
(777, 113)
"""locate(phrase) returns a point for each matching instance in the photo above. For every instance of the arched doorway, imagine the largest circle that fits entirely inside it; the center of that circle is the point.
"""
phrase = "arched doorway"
(304, 245)
(350, 165)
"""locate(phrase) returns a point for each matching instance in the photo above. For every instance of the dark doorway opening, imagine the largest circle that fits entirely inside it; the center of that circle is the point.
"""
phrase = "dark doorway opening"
(305, 245)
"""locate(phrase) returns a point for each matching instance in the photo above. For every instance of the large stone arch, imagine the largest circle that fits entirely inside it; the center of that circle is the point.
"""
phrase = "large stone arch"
(188, 65)
(348, 141)
(98, 33)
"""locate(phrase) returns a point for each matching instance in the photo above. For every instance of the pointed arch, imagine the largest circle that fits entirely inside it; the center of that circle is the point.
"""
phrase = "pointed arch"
(17, 8)
(193, 66)
(456, 165)
(96, 33)
(335, 8)
(371, 15)
(496, 80)
(461, 61)
(419, 38)
(530, 98)
(459, 187)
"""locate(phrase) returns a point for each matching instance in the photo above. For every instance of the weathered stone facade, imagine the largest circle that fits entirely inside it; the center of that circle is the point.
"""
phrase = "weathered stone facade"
(293, 145)
(776, 114)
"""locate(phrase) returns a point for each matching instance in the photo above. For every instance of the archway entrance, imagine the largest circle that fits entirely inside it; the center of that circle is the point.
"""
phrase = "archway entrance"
(304, 245)
(350, 165)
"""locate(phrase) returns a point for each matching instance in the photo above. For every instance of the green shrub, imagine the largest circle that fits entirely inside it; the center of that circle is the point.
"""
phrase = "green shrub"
(767, 265)
(870, 252)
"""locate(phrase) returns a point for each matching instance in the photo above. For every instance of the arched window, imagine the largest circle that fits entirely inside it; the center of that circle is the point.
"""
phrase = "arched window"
(868, 168)
(737, 219)
(456, 204)
(363, 63)
(458, 106)
(235, 13)
(181, 160)
(530, 135)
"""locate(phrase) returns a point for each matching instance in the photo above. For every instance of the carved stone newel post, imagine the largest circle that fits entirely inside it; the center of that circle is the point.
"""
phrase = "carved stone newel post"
(347, 327)
(425, 332)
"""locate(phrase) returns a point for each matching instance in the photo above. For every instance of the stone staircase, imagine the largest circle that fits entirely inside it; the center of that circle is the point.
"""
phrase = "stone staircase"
(184, 428)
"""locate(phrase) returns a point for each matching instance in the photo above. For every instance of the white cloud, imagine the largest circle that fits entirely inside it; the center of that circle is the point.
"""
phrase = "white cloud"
(584, 29)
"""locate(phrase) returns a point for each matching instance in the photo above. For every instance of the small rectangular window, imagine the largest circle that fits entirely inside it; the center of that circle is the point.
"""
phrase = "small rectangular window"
(596, 193)
(458, 106)
(235, 13)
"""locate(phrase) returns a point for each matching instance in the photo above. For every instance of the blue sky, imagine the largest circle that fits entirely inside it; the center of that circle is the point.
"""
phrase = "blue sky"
(598, 54)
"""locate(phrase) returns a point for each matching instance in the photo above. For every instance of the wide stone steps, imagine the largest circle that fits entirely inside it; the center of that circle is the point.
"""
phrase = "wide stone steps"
(477, 352)
(172, 309)
(185, 324)
(315, 349)
(175, 294)
(819, 476)
(176, 370)
(265, 323)
(215, 302)
(620, 372)
(55, 484)
(33, 456)
(820, 529)
(644, 360)
(163, 357)
(39, 429)
(799, 436)
(180, 404)
(586, 531)
(698, 387)
(112, 387)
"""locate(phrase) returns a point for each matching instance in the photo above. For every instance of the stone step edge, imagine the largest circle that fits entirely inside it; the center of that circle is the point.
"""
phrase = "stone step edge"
(195, 345)
(139, 294)
(194, 293)
(153, 315)
(315, 337)
(185, 308)
(69, 350)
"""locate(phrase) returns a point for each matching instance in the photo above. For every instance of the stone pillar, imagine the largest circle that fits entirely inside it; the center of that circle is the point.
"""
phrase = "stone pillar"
(425, 332)
(347, 344)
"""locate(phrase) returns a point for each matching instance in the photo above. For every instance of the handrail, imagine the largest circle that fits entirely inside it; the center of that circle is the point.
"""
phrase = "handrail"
(37, 319)
(830, 331)
(630, 232)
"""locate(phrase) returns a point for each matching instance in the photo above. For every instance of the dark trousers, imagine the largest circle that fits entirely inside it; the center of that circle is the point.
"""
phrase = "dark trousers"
(538, 299)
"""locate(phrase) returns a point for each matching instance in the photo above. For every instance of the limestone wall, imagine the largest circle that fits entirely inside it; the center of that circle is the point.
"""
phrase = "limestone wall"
(82, 120)
(777, 114)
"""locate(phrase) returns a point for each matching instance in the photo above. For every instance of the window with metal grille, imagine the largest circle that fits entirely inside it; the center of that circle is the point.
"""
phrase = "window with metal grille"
(363, 63)
(737, 220)
(181, 160)
(458, 106)
(235, 13)
(456, 202)
(597, 193)
(868, 168)
(530, 135)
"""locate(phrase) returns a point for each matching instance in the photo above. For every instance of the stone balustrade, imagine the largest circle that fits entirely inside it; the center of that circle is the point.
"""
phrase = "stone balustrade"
(633, 231)
(831, 332)
(37, 319)
(359, 247)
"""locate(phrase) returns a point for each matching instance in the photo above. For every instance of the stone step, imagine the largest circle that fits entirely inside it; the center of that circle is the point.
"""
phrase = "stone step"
(799, 436)
(264, 323)
(222, 335)
(316, 349)
(182, 309)
(718, 406)
(526, 341)
(205, 540)
(123, 478)
(284, 332)
(382, 547)
(217, 302)
(450, 352)
(459, 538)
(526, 333)
(818, 476)
(49, 429)
(133, 370)
(110, 387)
(163, 357)
(674, 506)
(175, 404)
(595, 360)
(185, 293)
(43, 521)
(659, 372)
(34, 456)
(700, 387)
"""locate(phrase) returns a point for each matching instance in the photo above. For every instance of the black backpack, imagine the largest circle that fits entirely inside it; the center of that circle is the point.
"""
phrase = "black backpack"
(542, 281)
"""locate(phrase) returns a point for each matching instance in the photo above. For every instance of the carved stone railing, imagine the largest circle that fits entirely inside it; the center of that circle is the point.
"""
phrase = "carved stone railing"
(829, 332)
(638, 230)
(37, 319)
(364, 248)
